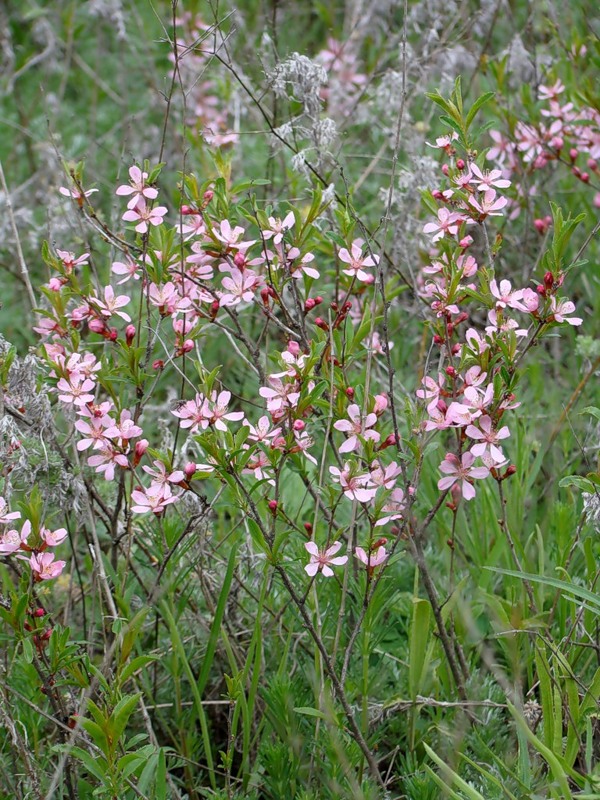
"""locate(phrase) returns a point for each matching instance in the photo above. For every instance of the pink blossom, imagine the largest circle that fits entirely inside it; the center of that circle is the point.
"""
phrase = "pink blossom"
(561, 310)
(354, 485)
(77, 390)
(93, 432)
(11, 540)
(239, 286)
(111, 304)
(356, 426)
(143, 215)
(393, 508)
(487, 447)
(448, 223)
(505, 296)
(128, 268)
(154, 499)
(230, 236)
(531, 300)
(161, 477)
(106, 459)
(44, 567)
(217, 410)
(323, 559)
(371, 559)
(7, 516)
(488, 180)
(489, 205)
(385, 476)
(69, 261)
(137, 187)
(125, 429)
(279, 395)
(194, 413)
(53, 538)
(278, 227)
(262, 431)
(501, 324)
(357, 261)
(462, 472)
(75, 193)
(301, 267)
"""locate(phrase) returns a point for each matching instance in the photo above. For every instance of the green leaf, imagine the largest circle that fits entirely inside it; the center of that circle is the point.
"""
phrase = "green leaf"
(309, 712)
(479, 103)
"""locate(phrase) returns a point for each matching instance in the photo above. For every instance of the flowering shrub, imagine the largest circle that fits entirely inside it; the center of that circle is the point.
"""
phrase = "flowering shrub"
(284, 472)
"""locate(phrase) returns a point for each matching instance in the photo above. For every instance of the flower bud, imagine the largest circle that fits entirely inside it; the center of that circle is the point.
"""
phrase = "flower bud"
(273, 506)
(592, 164)
(39, 612)
(318, 300)
(460, 164)
(437, 339)
(308, 528)
(129, 334)
(140, 448)
(264, 296)
(214, 308)
(239, 260)
(189, 470)
(207, 197)
(299, 425)
(293, 348)
(445, 169)
(573, 153)
(451, 372)
(320, 323)
(465, 242)
(437, 195)
(584, 177)
(187, 211)
(97, 325)
(509, 471)
(158, 364)
(309, 304)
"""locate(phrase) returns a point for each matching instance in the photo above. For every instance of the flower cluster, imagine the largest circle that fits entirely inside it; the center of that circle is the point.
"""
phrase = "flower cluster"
(30, 545)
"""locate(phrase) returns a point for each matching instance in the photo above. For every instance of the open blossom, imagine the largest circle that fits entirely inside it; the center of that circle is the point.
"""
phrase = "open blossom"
(53, 538)
(77, 390)
(239, 286)
(161, 476)
(462, 472)
(137, 187)
(143, 215)
(111, 304)
(154, 499)
(278, 227)
(5, 514)
(75, 193)
(262, 431)
(356, 426)
(487, 439)
(279, 395)
(69, 261)
(323, 559)
(124, 429)
(448, 223)
(217, 411)
(44, 567)
(230, 236)
(356, 262)
(11, 540)
(106, 459)
(489, 205)
(385, 476)
(393, 508)
(488, 180)
(371, 559)
(128, 268)
(505, 296)
(562, 309)
(355, 487)
(194, 413)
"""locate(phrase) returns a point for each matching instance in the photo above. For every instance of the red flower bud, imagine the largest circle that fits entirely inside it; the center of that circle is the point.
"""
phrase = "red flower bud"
(320, 323)
(350, 393)
(318, 300)
(309, 304)
(445, 169)
(273, 506)
(460, 164)
(39, 612)
(451, 372)
(308, 528)
(158, 364)
(129, 334)
(573, 153)
(437, 339)
(299, 425)
(207, 197)
(239, 260)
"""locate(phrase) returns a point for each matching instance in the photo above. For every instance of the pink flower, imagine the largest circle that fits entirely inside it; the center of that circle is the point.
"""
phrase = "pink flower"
(262, 432)
(488, 180)
(44, 567)
(489, 205)
(106, 460)
(217, 409)
(78, 390)
(137, 187)
(144, 215)
(385, 476)
(194, 413)
(53, 538)
(561, 309)
(357, 261)
(75, 194)
(371, 559)
(6, 515)
(353, 485)
(461, 471)
(111, 304)
(505, 296)
(11, 540)
(321, 560)
(393, 508)
(239, 286)
(278, 227)
(154, 499)
(356, 426)
(487, 448)
(160, 476)
(230, 236)
(129, 268)
(69, 261)
(125, 429)
(448, 223)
